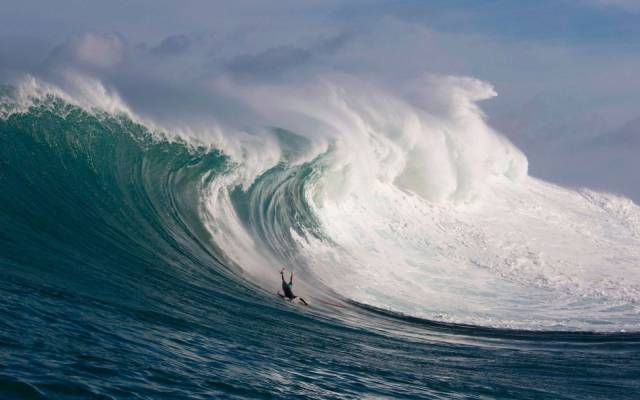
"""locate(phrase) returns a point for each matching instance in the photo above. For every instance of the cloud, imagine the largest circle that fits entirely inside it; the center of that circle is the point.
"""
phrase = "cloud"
(273, 62)
(608, 162)
(625, 137)
(334, 43)
(19, 55)
(91, 50)
(173, 45)
(277, 61)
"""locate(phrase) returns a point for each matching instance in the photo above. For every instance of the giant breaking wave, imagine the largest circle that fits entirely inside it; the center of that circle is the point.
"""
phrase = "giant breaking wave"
(411, 204)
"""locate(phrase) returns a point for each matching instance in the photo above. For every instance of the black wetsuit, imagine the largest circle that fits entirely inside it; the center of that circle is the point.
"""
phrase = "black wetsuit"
(286, 288)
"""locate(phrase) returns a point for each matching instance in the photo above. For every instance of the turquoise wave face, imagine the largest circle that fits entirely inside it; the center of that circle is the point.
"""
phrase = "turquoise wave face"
(95, 202)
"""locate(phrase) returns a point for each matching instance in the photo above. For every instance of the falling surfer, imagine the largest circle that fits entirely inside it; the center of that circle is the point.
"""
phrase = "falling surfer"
(286, 288)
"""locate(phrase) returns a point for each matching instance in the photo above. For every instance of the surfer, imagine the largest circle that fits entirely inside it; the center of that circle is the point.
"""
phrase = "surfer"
(286, 288)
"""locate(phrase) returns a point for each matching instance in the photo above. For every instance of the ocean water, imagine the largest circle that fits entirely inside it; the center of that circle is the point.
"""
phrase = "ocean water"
(137, 265)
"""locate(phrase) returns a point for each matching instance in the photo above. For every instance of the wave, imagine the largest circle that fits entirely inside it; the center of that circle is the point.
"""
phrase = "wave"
(412, 205)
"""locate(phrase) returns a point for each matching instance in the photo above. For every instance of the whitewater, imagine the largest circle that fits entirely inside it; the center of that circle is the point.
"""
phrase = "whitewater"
(430, 216)
(413, 228)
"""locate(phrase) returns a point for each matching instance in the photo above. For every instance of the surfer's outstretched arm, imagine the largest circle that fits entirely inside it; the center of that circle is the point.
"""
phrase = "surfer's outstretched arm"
(291, 279)
(302, 300)
(282, 275)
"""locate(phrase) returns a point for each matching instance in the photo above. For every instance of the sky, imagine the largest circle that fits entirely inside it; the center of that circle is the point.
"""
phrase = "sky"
(565, 70)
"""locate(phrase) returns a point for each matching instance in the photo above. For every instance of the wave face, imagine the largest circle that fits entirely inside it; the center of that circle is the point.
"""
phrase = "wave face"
(141, 262)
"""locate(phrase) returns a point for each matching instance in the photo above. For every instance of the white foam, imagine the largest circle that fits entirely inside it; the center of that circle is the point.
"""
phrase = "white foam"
(431, 213)
(532, 256)
(441, 154)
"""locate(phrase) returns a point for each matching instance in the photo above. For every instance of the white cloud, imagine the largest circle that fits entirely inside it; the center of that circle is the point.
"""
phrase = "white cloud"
(93, 50)
(100, 50)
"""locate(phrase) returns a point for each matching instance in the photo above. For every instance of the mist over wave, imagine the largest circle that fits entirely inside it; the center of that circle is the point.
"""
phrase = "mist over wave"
(409, 202)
